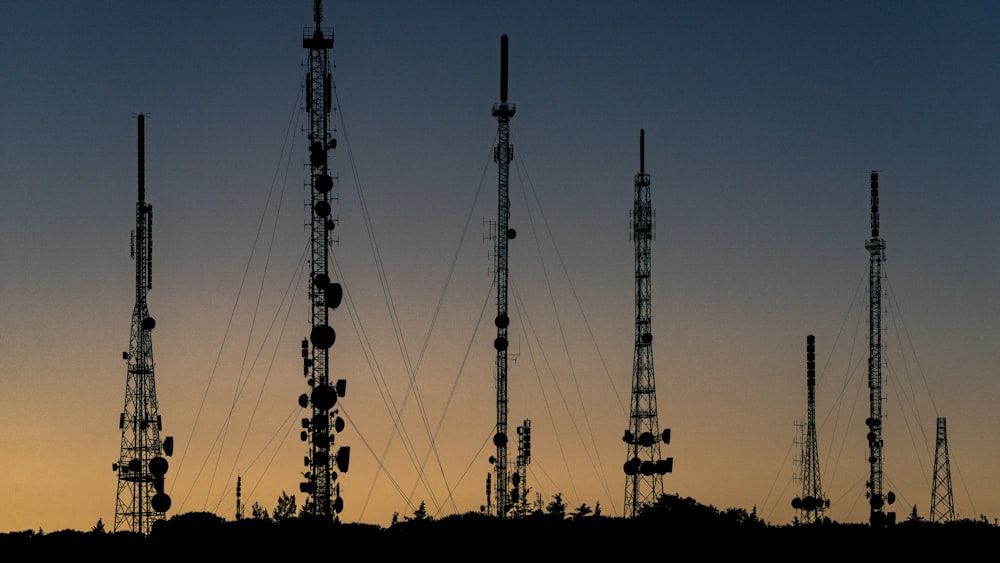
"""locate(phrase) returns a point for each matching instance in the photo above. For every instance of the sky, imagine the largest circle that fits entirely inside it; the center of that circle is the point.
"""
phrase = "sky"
(762, 124)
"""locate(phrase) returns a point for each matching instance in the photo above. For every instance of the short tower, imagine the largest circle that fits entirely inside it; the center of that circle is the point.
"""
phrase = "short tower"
(942, 502)
(812, 503)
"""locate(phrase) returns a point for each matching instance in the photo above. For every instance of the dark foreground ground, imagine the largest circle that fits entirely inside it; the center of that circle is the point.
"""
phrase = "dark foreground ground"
(668, 535)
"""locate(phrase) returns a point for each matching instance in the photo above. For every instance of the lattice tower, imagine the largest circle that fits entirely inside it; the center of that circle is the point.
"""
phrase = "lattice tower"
(878, 517)
(141, 467)
(942, 502)
(644, 468)
(503, 154)
(519, 494)
(813, 502)
(320, 428)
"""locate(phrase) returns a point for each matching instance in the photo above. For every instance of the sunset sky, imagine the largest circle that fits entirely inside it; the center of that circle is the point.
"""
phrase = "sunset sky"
(763, 121)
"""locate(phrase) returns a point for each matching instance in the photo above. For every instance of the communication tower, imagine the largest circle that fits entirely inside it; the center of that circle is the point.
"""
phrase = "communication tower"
(644, 469)
(942, 503)
(503, 154)
(141, 466)
(239, 501)
(878, 517)
(321, 426)
(488, 507)
(812, 503)
(520, 476)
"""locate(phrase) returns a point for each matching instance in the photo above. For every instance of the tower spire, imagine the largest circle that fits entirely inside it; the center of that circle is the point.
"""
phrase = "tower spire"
(503, 112)
(323, 421)
(318, 13)
(141, 467)
(142, 157)
(644, 469)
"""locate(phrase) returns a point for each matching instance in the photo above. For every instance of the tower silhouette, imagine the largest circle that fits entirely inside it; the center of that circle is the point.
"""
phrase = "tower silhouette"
(320, 428)
(141, 466)
(504, 153)
(878, 517)
(812, 503)
(239, 500)
(519, 494)
(644, 469)
(942, 503)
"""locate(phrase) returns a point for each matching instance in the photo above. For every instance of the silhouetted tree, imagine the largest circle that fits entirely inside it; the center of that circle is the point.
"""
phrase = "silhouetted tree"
(420, 513)
(285, 508)
(914, 517)
(597, 509)
(684, 511)
(582, 511)
(736, 515)
(557, 507)
(258, 512)
(99, 527)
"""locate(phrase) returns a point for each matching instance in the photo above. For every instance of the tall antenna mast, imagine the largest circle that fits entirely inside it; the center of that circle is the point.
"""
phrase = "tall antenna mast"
(878, 518)
(644, 470)
(324, 498)
(942, 502)
(812, 503)
(504, 153)
(141, 466)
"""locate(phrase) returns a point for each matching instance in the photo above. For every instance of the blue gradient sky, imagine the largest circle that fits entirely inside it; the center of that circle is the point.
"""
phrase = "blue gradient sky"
(763, 121)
